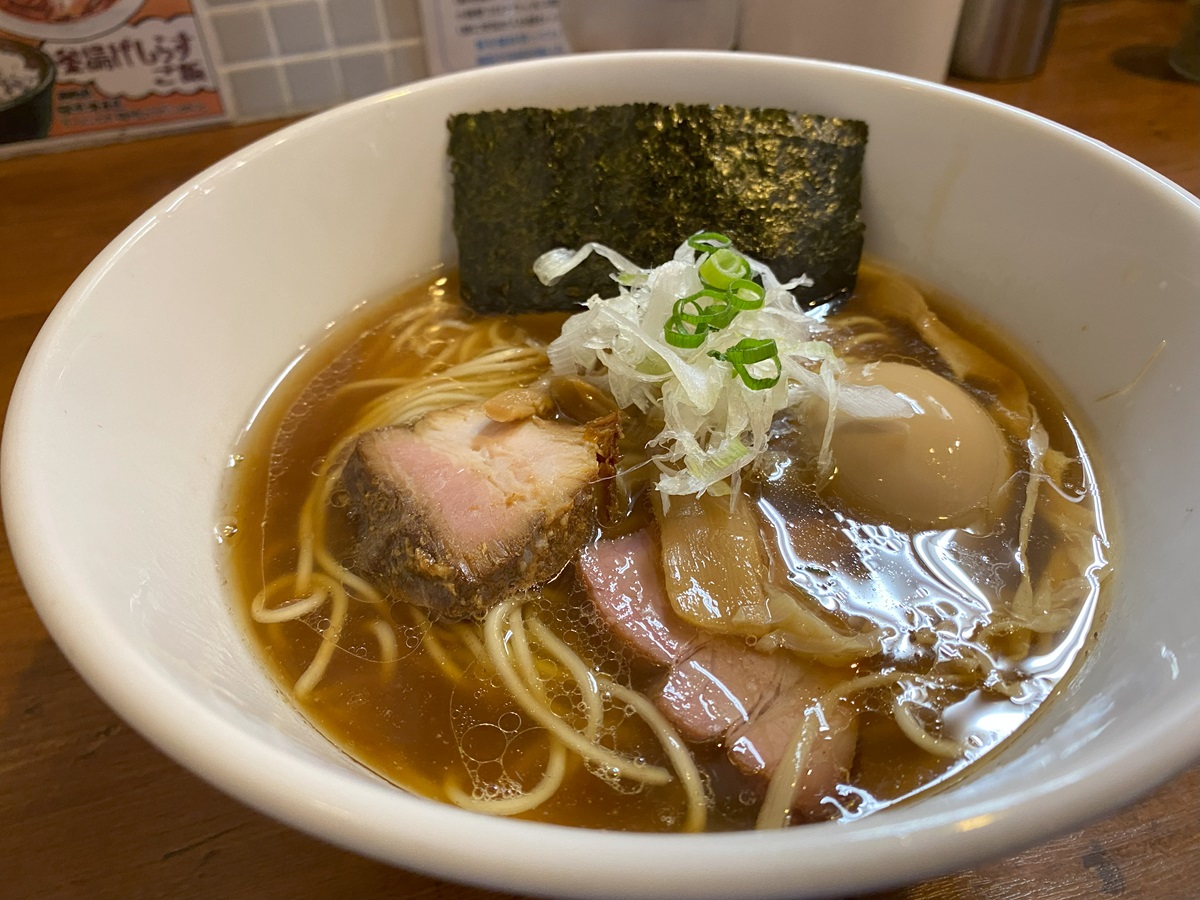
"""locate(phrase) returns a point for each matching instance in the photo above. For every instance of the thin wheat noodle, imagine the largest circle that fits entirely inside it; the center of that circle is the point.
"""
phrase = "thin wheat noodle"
(518, 643)
(433, 646)
(585, 679)
(371, 384)
(468, 637)
(363, 590)
(389, 647)
(915, 732)
(526, 801)
(1022, 601)
(677, 751)
(329, 639)
(297, 608)
(497, 648)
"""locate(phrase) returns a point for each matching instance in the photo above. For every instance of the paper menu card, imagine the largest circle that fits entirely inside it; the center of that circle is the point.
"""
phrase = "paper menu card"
(73, 68)
(462, 34)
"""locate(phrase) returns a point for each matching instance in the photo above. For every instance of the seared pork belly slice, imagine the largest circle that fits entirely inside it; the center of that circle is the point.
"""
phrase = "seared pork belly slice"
(720, 684)
(625, 584)
(458, 511)
(757, 746)
(755, 702)
(718, 688)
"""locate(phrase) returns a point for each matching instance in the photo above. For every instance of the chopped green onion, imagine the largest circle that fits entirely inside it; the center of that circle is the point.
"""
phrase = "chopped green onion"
(746, 294)
(728, 290)
(748, 352)
(723, 267)
(676, 334)
(708, 240)
(759, 384)
(715, 314)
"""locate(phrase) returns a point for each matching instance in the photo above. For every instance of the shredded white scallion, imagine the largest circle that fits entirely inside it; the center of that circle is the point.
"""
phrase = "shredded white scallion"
(714, 424)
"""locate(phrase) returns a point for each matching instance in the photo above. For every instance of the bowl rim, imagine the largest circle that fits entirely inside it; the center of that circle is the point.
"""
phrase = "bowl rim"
(346, 811)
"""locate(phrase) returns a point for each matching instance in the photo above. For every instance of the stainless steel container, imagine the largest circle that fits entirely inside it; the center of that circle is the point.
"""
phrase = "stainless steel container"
(1003, 39)
(1185, 55)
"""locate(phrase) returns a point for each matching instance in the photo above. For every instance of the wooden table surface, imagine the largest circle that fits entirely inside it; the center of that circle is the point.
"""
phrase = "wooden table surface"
(89, 809)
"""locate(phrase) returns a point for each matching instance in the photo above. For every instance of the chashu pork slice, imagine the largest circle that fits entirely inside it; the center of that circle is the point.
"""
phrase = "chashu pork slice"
(625, 584)
(758, 745)
(458, 510)
(718, 688)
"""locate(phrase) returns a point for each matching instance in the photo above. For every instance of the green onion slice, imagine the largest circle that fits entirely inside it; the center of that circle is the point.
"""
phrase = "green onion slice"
(746, 353)
(708, 240)
(723, 267)
(746, 294)
(676, 333)
(709, 308)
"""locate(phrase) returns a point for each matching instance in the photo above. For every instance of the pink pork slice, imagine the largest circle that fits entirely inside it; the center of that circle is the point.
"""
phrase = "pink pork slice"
(758, 745)
(720, 683)
(458, 509)
(626, 586)
(718, 687)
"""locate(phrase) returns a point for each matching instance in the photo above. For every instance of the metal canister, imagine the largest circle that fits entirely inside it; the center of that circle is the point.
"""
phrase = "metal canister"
(1185, 55)
(999, 40)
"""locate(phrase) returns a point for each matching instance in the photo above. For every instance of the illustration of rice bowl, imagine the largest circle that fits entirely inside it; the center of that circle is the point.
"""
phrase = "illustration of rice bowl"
(26, 92)
(54, 10)
(65, 20)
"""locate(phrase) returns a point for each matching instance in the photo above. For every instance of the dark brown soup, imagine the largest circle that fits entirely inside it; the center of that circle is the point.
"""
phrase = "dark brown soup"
(932, 642)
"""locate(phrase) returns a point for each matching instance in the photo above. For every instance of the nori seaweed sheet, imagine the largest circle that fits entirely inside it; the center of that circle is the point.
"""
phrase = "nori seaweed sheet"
(641, 178)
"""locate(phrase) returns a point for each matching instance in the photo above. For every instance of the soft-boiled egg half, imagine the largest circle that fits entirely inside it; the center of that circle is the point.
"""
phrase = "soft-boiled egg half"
(941, 467)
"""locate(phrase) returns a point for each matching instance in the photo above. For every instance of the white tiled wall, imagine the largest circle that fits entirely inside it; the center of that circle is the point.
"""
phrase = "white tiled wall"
(281, 57)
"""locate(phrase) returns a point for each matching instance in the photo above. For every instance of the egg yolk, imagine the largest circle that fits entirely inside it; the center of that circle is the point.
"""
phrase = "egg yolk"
(939, 468)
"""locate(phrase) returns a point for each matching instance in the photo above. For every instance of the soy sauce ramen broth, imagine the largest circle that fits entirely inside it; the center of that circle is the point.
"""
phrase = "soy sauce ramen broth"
(414, 702)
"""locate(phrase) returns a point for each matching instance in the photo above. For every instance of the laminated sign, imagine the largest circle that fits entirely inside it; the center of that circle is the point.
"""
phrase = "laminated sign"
(82, 67)
(462, 34)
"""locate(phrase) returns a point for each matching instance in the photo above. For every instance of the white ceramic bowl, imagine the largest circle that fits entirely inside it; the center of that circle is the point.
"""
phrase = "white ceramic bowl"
(117, 437)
